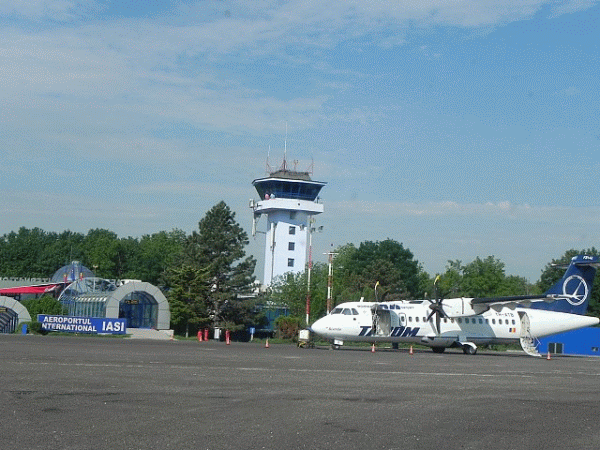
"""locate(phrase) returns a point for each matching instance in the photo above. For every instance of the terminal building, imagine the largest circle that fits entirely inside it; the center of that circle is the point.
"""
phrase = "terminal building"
(85, 295)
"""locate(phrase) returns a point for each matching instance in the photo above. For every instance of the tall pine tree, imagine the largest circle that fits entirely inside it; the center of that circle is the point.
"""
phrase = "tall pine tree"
(212, 276)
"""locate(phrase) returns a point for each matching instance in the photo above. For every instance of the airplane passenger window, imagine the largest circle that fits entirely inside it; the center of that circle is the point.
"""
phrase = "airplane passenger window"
(410, 319)
(514, 322)
(493, 321)
(480, 320)
(416, 319)
(466, 320)
(459, 320)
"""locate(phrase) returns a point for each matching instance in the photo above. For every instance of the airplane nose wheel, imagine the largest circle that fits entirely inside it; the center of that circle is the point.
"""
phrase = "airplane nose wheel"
(469, 350)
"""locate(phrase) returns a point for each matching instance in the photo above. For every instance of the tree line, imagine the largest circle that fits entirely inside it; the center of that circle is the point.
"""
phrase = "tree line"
(209, 279)
(386, 271)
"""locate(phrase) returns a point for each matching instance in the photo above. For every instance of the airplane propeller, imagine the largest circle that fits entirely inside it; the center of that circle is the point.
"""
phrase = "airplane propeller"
(437, 307)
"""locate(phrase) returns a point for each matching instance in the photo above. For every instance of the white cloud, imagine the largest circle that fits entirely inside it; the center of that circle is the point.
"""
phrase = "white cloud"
(56, 10)
(497, 210)
(571, 6)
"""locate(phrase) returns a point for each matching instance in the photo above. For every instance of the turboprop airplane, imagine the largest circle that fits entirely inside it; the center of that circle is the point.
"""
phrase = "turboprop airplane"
(469, 322)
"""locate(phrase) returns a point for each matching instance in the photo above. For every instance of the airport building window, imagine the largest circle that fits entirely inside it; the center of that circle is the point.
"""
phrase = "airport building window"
(292, 230)
(555, 347)
(291, 246)
(290, 262)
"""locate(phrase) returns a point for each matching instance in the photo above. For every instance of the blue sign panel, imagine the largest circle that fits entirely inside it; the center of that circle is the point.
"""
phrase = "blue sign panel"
(95, 325)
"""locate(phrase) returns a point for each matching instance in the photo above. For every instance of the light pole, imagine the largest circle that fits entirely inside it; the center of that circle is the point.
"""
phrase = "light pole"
(311, 230)
(330, 280)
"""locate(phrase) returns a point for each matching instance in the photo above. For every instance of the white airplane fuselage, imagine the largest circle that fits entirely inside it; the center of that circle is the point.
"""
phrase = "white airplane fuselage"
(407, 321)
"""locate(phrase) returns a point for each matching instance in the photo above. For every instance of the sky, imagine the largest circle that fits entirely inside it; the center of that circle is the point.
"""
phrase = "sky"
(460, 128)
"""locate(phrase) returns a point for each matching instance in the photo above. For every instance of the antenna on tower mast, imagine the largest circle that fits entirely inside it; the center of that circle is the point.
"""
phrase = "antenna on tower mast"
(284, 167)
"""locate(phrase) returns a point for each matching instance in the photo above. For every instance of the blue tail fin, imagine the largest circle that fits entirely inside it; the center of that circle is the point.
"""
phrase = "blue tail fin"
(576, 284)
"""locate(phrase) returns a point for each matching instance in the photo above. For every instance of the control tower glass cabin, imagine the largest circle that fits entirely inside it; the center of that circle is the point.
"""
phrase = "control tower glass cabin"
(289, 199)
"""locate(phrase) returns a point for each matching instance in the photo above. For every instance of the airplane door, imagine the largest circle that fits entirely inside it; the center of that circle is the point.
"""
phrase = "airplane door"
(527, 341)
(384, 321)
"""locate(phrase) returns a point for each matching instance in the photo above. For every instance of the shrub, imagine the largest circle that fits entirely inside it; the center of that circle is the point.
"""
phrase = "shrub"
(288, 326)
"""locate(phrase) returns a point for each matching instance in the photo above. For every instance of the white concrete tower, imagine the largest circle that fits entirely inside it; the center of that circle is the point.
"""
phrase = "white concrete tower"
(289, 199)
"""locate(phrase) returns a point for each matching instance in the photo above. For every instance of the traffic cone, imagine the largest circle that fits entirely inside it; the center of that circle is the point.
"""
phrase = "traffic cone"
(267, 343)
(410, 351)
(548, 357)
(373, 348)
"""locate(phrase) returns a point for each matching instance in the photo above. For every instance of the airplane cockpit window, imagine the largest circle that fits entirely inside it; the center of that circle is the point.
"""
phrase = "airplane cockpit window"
(347, 312)
(354, 312)
(336, 311)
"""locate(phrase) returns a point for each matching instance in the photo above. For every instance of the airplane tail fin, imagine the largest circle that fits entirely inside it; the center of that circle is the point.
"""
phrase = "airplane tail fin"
(575, 287)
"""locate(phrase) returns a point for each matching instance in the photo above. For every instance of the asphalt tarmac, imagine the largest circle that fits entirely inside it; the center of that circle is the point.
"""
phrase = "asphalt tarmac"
(102, 393)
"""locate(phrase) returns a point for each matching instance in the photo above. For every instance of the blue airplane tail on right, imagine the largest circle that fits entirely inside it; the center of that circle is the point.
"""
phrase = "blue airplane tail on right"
(575, 286)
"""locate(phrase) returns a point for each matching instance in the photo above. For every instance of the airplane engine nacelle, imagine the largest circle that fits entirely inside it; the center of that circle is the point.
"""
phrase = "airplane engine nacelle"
(462, 307)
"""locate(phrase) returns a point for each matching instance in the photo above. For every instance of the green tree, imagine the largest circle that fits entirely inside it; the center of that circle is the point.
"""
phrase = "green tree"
(46, 304)
(385, 262)
(101, 253)
(156, 253)
(216, 255)
(291, 290)
(483, 277)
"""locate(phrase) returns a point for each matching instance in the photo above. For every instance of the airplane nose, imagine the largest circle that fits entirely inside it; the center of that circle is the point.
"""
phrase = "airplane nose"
(318, 327)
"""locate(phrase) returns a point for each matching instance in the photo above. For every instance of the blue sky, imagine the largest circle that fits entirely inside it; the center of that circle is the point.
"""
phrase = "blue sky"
(460, 128)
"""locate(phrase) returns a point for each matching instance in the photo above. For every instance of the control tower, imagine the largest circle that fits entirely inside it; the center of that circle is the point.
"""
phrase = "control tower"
(289, 199)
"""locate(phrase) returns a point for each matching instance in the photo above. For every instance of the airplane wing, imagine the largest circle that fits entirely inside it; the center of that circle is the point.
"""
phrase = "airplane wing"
(516, 299)
(462, 307)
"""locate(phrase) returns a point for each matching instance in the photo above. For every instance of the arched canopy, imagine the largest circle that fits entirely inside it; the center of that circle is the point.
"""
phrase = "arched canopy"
(143, 304)
(143, 290)
(15, 306)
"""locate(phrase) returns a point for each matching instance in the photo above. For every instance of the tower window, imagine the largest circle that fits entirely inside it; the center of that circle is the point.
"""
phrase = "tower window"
(292, 230)
(290, 262)
(291, 246)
